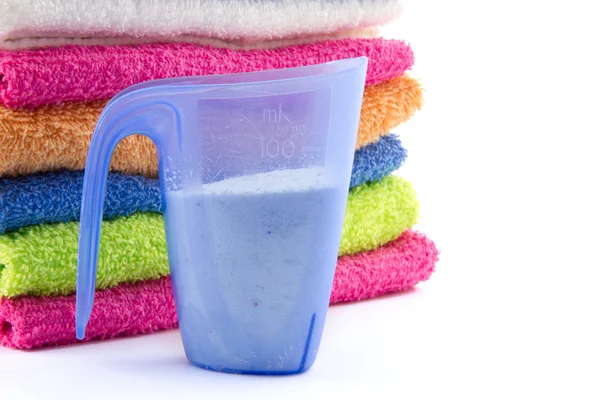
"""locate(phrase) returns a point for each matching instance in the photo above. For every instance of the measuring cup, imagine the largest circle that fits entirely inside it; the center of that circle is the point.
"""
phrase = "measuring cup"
(254, 171)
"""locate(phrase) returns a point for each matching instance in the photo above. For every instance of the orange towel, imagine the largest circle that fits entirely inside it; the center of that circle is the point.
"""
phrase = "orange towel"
(57, 137)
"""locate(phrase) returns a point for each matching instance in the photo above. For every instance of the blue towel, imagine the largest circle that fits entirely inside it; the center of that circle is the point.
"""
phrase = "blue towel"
(377, 160)
(56, 196)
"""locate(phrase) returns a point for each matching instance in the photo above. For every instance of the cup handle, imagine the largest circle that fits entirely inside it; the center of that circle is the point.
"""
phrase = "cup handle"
(122, 117)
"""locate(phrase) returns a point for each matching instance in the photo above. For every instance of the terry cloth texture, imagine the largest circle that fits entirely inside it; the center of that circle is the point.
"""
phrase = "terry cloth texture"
(374, 161)
(42, 259)
(42, 23)
(148, 306)
(56, 196)
(74, 73)
(393, 267)
(58, 137)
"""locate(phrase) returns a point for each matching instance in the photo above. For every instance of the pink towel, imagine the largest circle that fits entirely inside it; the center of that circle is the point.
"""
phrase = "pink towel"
(78, 73)
(148, 306)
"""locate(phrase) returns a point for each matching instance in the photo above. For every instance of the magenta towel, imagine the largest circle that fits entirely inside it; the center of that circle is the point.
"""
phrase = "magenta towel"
(148, 306)
(78, 73)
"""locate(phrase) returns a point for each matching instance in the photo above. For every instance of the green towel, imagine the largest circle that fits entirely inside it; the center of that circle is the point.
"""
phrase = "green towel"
(42, 260)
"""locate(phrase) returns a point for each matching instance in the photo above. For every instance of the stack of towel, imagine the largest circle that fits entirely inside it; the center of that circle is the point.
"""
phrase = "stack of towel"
(59, 65)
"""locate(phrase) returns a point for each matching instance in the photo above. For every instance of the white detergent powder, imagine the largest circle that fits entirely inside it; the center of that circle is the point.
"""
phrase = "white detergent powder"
(252, 260)
(276, 181)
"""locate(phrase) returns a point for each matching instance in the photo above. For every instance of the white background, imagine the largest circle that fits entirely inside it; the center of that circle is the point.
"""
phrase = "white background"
(504, 160)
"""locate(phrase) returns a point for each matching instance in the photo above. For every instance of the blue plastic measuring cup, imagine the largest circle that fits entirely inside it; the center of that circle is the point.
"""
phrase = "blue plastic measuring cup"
(254, 171)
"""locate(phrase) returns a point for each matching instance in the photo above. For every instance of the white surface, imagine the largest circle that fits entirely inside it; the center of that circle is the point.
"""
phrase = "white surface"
(505, 162)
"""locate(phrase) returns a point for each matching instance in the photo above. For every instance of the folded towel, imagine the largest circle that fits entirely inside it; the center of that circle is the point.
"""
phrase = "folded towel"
(57, 137)
(75, 73)
(371, 162)
(148, 306)
(40, 23)
(42, 259)
(398, 265)
(56, 196)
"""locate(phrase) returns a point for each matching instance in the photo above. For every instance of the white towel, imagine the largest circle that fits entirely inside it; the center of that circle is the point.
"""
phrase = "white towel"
(26, 24)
